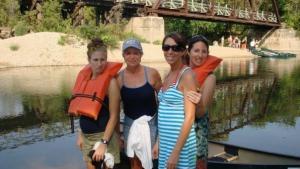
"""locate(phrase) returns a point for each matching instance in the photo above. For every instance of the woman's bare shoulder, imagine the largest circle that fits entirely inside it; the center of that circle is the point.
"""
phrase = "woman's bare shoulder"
(188, 78)
(188, 73)
(153, 72)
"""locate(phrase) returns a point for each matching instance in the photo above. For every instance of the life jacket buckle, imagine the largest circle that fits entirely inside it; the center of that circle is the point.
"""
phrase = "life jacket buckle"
(94, 96)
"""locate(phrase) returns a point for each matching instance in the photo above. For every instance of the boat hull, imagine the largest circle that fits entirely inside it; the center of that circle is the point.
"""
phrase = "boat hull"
(267, 53)
(223, 155)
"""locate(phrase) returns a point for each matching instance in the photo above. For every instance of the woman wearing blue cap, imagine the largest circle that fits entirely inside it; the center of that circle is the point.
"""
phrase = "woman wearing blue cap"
(138, 87)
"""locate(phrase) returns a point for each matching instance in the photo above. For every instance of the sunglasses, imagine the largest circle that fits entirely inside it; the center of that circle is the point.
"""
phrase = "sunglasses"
(175, 48)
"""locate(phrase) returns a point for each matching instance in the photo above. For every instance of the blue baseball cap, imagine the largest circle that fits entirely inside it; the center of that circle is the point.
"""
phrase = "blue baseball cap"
(132, 43)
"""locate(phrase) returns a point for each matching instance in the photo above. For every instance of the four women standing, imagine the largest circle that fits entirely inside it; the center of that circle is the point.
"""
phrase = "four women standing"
(138, 84)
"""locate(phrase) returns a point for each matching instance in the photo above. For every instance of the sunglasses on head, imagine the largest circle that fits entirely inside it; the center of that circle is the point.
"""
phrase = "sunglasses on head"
(175, 48)
(199, 38)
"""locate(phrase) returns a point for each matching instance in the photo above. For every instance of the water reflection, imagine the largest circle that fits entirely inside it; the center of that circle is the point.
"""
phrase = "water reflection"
(237, 103)
(284, 104)
(237, 68)
(10, 105)
(33, 103)
(43, 117)
(37, 80)
(54, 153)
(275, 111)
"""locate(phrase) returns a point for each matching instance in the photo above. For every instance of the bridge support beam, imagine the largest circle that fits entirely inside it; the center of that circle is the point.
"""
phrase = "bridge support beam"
(149, 27)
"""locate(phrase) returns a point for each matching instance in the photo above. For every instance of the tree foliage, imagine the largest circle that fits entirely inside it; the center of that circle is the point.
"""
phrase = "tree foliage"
(9, 12)
(291, 13)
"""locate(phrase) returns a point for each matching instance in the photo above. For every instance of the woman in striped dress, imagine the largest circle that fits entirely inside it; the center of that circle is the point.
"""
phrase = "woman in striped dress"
(176, 114)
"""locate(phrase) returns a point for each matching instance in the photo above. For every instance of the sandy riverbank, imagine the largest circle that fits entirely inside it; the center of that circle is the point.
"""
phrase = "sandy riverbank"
(39, 49)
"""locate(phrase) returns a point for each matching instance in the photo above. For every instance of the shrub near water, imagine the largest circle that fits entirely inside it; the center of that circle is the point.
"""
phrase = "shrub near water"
(62, 40)
(14, 47)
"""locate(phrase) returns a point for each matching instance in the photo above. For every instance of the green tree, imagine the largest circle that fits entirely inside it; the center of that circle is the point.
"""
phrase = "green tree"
(9, 12)
(50, 18)
(291, 13)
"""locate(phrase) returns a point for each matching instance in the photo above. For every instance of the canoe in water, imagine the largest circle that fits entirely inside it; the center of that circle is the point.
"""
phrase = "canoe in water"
(223, 155)
(267, 53)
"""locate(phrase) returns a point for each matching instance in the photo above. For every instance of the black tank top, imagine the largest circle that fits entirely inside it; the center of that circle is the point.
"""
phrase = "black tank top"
(138, 101)
(89, 125)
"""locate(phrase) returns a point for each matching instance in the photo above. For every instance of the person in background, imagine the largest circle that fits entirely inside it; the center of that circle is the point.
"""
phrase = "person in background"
(138, 87)
(244, 43)
(203, 66)
(252, 45)
(256, 43)
(176, 114)
(236, 42)
(222, 41)
(100, 127)
(230, 41)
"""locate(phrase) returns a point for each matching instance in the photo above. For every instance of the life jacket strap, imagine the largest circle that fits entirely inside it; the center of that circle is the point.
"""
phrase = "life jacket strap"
(93, 97)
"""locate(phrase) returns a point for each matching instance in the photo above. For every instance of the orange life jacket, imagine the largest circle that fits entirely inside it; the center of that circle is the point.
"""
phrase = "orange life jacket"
(206, 68)
(88, 94)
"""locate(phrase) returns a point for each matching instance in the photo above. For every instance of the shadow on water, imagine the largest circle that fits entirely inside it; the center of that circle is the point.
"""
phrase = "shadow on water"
(32, 117)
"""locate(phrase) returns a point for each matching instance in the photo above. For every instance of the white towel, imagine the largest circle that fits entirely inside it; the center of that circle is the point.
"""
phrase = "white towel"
(139, 141)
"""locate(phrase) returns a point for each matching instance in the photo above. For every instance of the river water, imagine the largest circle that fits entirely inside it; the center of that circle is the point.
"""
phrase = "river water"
(256, 105)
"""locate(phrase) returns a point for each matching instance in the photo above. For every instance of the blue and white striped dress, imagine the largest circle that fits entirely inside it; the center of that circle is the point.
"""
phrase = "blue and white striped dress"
(170, 120)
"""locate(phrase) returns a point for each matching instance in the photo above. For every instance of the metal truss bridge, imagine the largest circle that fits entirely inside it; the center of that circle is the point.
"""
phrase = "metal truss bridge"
(253, 12)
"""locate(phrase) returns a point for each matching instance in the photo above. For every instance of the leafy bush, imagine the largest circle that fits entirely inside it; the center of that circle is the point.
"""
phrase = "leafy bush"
(87, 31)
(127, 35)
(157, 42)
(62, 40)
(109, 40)
(14, 47)
(69, 39)
(21, 28)
(108, 34)
(89, 15)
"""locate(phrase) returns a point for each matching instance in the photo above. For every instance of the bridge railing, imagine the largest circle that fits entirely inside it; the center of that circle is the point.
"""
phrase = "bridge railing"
(243, 14)
(199, 6)
(196, 6)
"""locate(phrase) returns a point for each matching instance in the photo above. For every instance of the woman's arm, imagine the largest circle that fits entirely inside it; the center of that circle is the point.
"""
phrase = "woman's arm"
(155, 150)
(188, 83)
(79, 141)
(155, 79)
(114, 109)
(204, 98)
(207, 95)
